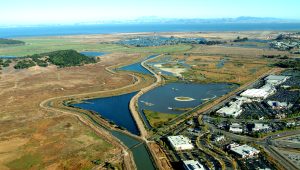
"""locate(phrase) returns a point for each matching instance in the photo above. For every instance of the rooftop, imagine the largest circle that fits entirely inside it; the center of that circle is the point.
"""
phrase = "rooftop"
(180, 142)
(256, 93)
(193, 165)
(275, 77)
(245, 150)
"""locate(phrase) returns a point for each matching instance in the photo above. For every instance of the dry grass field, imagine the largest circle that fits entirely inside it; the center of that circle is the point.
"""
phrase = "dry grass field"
(224, 64)
(31, 138)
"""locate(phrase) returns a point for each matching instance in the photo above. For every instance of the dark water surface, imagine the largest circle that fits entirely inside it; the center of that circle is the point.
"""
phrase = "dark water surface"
(162, 98)
(137, 67)
(115, 109)
(141, 156)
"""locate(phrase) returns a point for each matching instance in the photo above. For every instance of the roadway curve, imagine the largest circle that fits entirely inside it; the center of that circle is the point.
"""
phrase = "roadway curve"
(133, 102)
(127, 155)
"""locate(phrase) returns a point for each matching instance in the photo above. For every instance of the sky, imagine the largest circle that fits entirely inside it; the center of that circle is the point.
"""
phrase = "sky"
(20, 12)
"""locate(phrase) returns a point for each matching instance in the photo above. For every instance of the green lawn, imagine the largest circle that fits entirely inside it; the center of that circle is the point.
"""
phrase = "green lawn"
(156, 119)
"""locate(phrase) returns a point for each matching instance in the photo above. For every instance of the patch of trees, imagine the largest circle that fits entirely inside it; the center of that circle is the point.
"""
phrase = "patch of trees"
(275, 56)
(291, 63)
(4, 63)
(62, 58)
(37, 59)
(211, 42)
(239, 39)
(67, 58)
(11, 42)
(24, 64)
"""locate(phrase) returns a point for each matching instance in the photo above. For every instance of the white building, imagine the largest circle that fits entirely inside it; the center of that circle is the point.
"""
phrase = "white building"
(180, 142)
(279, 105)
(255, 94)
(192, 165)
(234, 109)
(219, 138)
(236, 128)
(244, 151)
(260, 127)
(276, 80)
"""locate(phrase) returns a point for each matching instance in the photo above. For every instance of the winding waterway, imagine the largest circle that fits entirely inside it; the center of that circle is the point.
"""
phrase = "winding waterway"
(137, 67)
(115, 109)
(161, 99)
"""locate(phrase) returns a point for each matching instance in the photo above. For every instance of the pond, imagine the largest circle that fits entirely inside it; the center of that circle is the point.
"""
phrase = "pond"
(164, 98)
(93, 53)
(8, 57)
(137, 67)
(114, 109)
(221, 63)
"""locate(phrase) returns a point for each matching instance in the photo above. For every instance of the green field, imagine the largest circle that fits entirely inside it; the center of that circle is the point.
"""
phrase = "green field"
(157, 119)
(29, 161)
(42, 45)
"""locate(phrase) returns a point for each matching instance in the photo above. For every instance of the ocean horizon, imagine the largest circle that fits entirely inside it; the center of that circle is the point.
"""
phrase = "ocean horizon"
(14, 32)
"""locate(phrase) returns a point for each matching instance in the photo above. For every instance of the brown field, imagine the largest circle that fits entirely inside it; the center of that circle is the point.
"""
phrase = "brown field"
(32, 138)
(241, 64)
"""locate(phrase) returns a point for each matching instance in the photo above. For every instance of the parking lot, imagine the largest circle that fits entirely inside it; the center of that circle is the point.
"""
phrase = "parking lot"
(258, 162)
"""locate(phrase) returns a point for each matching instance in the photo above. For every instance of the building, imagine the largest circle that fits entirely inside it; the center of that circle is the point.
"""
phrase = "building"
(260, 127)
(192, 165)
(218, 138)
(279, 105)
(258, 94)
(231, 111)
(234, 109)
(267, 90)
(180, 143)
(236, 128)
(244, 151)
(276, 80)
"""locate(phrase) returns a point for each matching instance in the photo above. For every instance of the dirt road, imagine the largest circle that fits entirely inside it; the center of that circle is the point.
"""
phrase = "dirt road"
(133, 102)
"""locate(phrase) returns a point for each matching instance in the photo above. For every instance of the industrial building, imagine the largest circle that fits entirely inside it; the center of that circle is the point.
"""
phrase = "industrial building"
(192, 165)
(231, 111)
(180, 143)
(267, 90)
(258, 94)
(279, 105)
(276, 80)
(235, 107)
(260, 127)
(236, 128)
(244, 151)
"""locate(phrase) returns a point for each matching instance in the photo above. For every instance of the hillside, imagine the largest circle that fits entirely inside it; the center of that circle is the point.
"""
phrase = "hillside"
(61, 58)
(4, 41)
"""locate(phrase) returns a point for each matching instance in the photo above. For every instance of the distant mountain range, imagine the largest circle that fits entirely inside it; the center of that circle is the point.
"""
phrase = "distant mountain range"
(159, 20)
